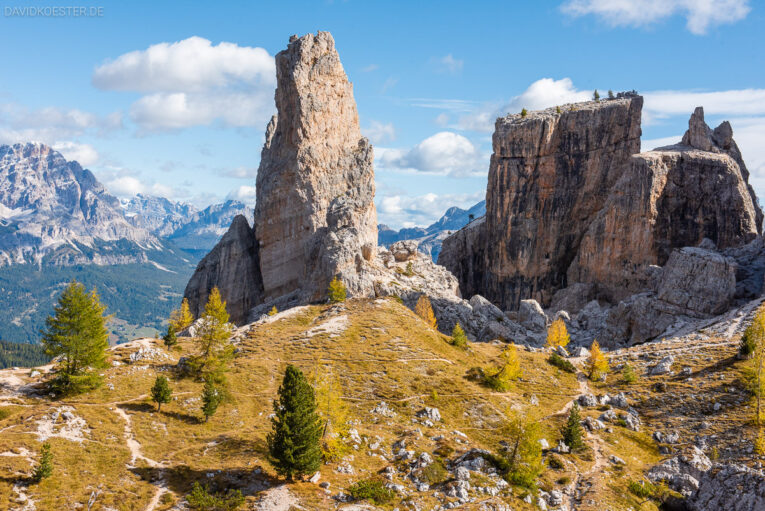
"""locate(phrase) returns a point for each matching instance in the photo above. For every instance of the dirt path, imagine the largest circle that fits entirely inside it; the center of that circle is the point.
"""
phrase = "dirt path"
(136, 454)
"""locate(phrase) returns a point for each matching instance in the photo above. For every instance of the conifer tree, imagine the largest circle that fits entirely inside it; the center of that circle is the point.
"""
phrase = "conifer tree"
(597, 364)
(77, 333)
(524, 112)
(425, 311)
(557, 335)
(161, 392)
(459, 339)
(170, 338)
(294, 440)
(274, 311)
(44, 468)
(333, 412)
(572, 432)
(181, 318)
(610, 94)
(509, 370)
(596, 95)
(336, 292)
(211, 398)
(523, 452)
(212, 336)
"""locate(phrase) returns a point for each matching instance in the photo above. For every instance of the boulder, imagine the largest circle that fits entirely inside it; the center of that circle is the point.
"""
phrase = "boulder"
(729, 487)
(531, 315)
(404, 250)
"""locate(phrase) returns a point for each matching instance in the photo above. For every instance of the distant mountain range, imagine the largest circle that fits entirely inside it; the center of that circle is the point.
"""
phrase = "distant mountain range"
(430, 238)
(58, 223)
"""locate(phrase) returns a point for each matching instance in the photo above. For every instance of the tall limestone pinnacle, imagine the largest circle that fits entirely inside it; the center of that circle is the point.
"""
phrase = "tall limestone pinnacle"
(315, 212)
(315, 217)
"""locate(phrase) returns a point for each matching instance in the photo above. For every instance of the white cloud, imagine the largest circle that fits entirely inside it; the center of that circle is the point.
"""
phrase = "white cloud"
(667, 103)
(192, 83)
(51, 124)
(370, 68)
(700, 15)
(193, 64)
(378, 132)
(543, 93)
(84, 154)
(444, 153)
(408, 211)
(652, 143)
(243, 193)
(126, 183)
(448, 64)
(241, 172)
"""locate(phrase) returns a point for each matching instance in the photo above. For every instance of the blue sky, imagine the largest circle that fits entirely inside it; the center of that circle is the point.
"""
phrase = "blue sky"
(429, 79)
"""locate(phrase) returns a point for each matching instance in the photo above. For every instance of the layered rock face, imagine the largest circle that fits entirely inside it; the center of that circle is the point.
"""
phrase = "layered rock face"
(315, 214)
(549, 176)
(667, 198)
(588, 231)
(234, 267)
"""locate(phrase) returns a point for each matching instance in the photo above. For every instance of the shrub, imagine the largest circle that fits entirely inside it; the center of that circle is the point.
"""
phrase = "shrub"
(555, 462)
(433, 474)
(748, 343)
(629, 376)
(557, 335)
(557, 109)
(563, 480)
(561, 363)
(373, 490)
(459, 339)
(610, 94)
(409, 272)
(44, 469)
(274, 311)
(643, 489)
(337, 292)
(524, 112)
(475, 374)
(201, 499)
(425, 311)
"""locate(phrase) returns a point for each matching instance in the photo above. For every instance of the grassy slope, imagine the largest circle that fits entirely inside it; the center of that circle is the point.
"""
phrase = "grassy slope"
(384, 353)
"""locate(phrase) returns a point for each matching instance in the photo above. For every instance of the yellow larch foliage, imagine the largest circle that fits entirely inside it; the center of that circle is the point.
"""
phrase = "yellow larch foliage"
(597, 364)
(181, 318)
(424, 310)
(557, 335)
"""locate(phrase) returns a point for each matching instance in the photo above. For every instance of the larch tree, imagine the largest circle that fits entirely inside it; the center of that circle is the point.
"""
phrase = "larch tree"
(424, 310)
(597, 363)
(459, 339)
(336, 291)
(557, 335)
(523, 452)
(76, 332)
(212, 336)
(754, 336)
(294, 442)
(181, 318)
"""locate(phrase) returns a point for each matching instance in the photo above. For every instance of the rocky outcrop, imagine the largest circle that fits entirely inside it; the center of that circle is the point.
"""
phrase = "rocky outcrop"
(668, 198)
(603, 250)
(233, 266)
(550, 174)
(315, 216)
(729, 486)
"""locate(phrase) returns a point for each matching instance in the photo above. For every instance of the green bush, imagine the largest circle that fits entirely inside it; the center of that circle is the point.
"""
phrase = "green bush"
(475, 374)
(748, 343)
(495, 383)
(561, 363)
(372, 490)
(642, 489)
(524, 112)
(72, 384)
(629, 376)
(201, 499)
(433, 474)
(555, 462)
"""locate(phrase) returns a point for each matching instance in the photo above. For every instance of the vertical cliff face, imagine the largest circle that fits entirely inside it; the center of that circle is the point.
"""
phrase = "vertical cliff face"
(549, 176)
(669, 198)
(315, 186)
(315, 216)
(233, 266)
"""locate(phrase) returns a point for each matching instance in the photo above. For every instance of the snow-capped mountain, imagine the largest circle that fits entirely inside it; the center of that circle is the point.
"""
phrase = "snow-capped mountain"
(54, 211)
(161, 216)
(183, 224)
(430, 238)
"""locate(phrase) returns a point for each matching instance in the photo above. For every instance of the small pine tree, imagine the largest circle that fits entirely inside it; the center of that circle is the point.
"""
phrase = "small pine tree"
(211, 398)
(573, 434)
(597, 363)
(161, 392)
(77, 334)
(337, 292)
(170, 338)
(524, 112)
(629, 376)
(596, 95)
(409, 272)
(212, 336)
(44, 468)
(274, 311)
(557, 109)
(459, 339)
(610, 94)
(557, 335)
(425, 311)
(294, 442)
(182, 318)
